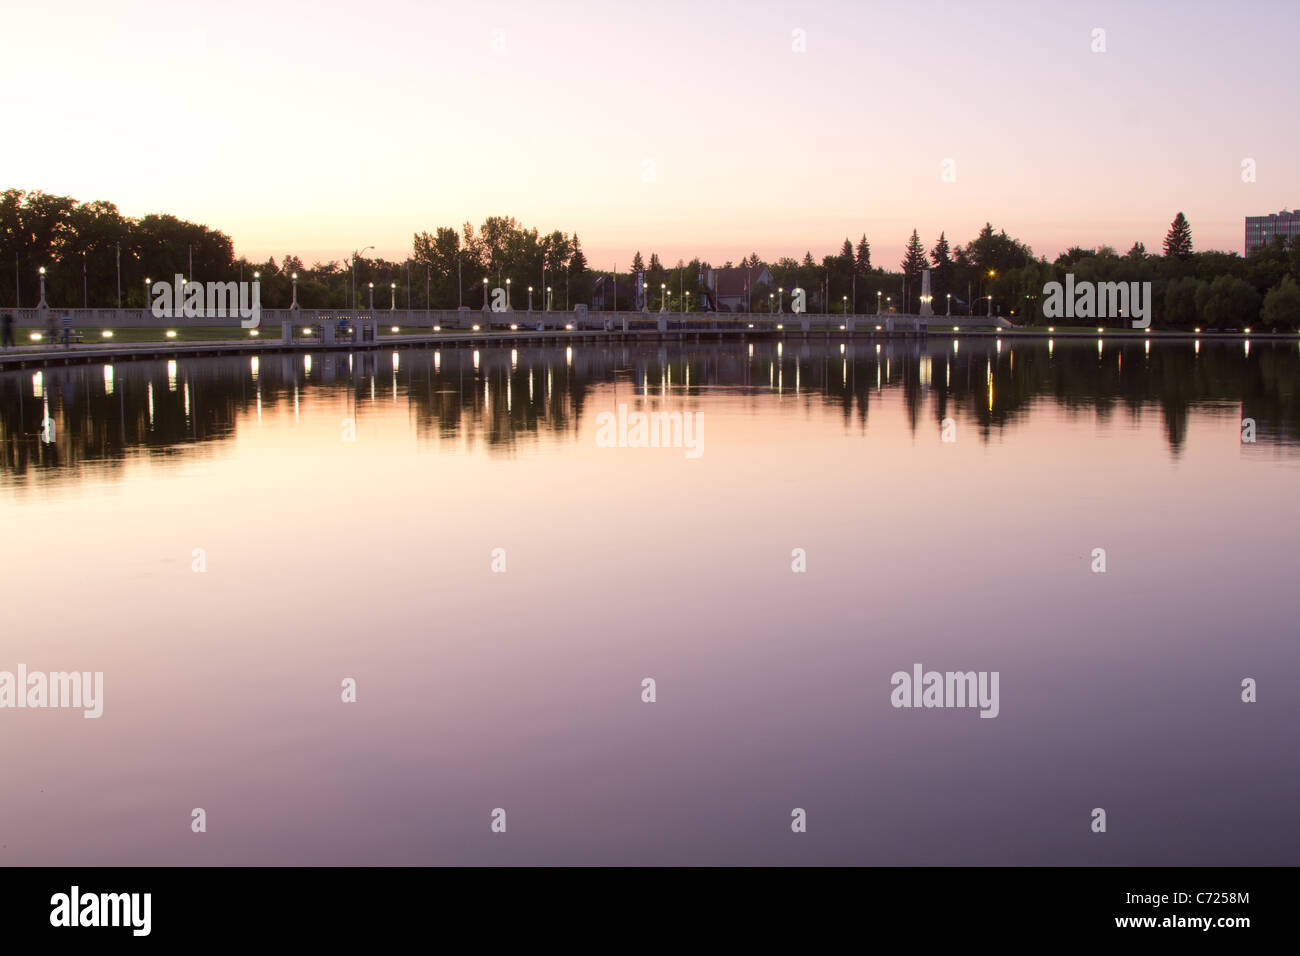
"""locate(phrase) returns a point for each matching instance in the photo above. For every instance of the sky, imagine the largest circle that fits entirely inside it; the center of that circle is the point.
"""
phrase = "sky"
(683, 128)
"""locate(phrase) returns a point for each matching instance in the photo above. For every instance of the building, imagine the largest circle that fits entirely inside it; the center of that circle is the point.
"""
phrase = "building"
(730, 288)
(1260, 230)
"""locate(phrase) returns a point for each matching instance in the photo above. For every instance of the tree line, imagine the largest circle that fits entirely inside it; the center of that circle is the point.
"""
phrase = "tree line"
(95, 256)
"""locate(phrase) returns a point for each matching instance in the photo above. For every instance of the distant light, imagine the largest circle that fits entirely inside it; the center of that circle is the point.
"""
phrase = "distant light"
(514, 327)
(569, 326)
(171, 333)
(396, 329)
(843, 326)
(1148, 331)
(956, 328)
(295, 276)
(35, 336)
(476, 328)
(1247, 331)
(253, 332)
(307, 331)
(1198, 330)
(107, 333)
(1100, 329)
(779, 325)
(878, 328)
(437, 328)
(751, 325)
(257, 275)
(42, 270)
(1051, 328)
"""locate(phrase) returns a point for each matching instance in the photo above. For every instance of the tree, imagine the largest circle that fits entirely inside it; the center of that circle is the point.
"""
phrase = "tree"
(941, 260)
(1282, 305)
(579, 282)
(913, 264)
(1181, 297)
(638, 264)
(1138, 252)
(863, 261)
(1228, 302)
(1178, 241)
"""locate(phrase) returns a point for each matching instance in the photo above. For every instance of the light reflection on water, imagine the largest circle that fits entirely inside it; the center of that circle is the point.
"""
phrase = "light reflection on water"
(329, 558)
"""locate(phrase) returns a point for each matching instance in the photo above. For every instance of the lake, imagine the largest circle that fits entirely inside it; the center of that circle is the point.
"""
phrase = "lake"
(486, 550)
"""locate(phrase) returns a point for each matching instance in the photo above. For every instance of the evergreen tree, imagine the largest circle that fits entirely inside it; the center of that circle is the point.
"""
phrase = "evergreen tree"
(1138, 251)
(939, 255)
(577, 279)
(578, 260)
(944, 270)
(1178, 241)
(638, 264)
(913, 263)
(863, 263)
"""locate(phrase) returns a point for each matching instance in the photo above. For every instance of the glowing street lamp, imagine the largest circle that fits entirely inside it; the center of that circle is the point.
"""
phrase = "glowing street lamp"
(949, 312)
(878, 295)
(663, 297)
(42, 304)
(780, 299)
(548, 298)
(294, 303)
(509, 305)
(393, 307)
(485, 293)
(372, 297)
(530, 298)
(686, 301)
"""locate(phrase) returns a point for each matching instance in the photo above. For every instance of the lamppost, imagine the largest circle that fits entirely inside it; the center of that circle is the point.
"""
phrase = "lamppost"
(42, 304)
(846, 304)
(146, 292)
(780, 299)
(393, 305)
(294, 303)
(509, 305)
(663, 297)
(686, 301)
(990, 305)
(889, 302)
(770, 297)
(878, 295)
(548, 298)
(530, 298)
(485, 294)
(372, 297)
(949, 312)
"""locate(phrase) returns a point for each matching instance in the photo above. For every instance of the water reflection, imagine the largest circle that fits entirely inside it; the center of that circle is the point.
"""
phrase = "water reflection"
(106, 413)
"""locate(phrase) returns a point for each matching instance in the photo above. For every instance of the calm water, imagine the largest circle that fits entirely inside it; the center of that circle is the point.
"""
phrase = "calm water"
(372, 559)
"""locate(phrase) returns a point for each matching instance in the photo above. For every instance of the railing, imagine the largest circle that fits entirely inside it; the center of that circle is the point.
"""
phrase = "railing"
(422, 321)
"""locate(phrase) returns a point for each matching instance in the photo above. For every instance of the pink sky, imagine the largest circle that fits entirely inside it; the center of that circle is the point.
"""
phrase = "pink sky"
(316, 130)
